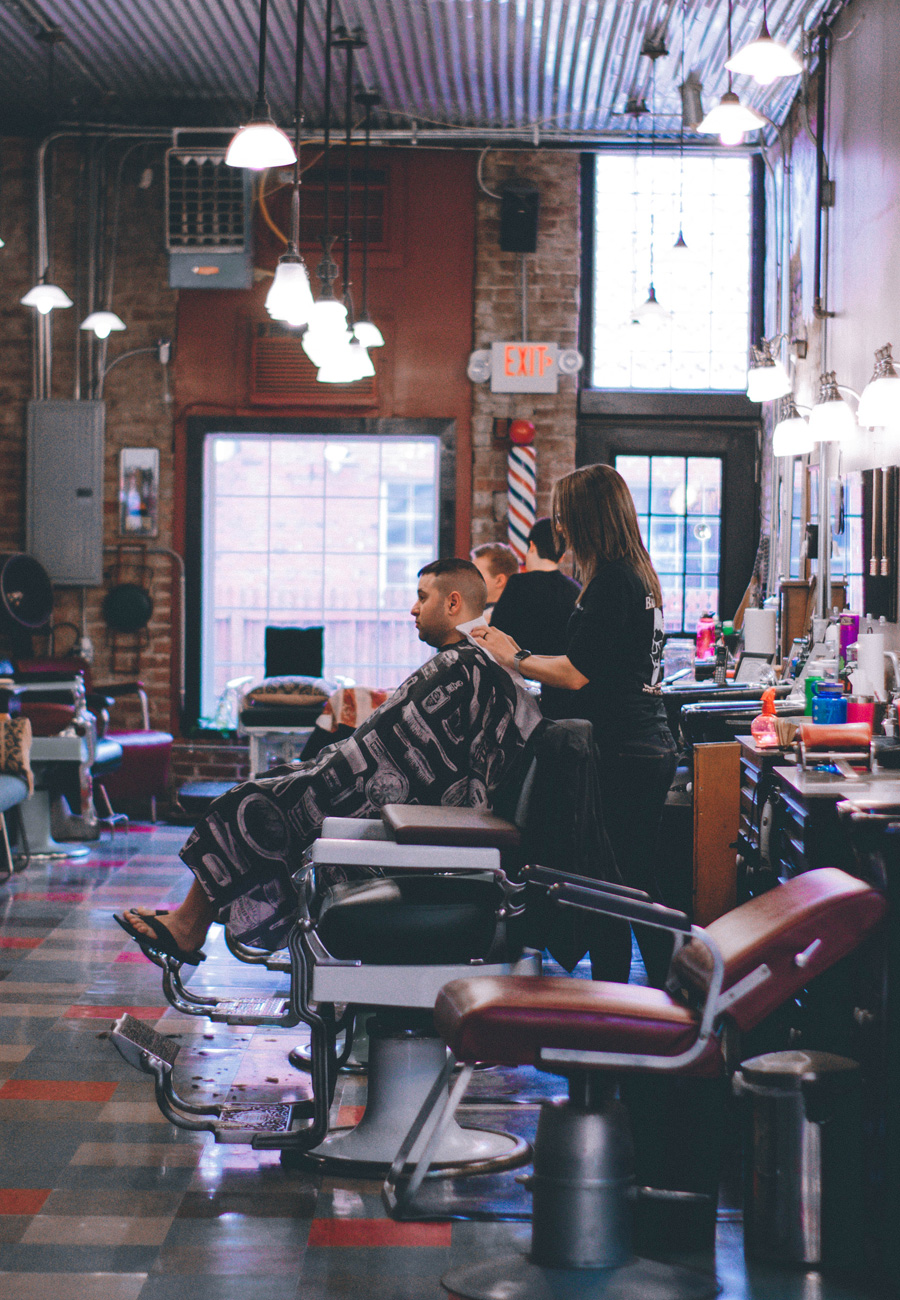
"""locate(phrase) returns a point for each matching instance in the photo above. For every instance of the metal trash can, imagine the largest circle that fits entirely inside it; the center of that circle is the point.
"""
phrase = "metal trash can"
(803, 1172)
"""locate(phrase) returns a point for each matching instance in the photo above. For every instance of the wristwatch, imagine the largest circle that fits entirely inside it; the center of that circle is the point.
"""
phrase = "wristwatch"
(521, 654)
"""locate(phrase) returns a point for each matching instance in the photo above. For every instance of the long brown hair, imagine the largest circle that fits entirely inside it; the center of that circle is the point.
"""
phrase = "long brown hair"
(594, 512)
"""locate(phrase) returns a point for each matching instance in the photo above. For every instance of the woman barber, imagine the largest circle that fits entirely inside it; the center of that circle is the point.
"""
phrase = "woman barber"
(612, 666)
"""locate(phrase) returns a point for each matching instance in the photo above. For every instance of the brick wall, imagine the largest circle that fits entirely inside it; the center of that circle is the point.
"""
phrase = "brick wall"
(210, 756)
(553, 275)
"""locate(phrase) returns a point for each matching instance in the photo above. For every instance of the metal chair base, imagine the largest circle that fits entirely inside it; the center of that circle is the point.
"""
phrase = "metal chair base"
(516, 1278)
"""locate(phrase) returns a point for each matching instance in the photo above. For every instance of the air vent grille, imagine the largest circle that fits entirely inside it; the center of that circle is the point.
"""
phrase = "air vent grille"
(281, 374)
(207, 202)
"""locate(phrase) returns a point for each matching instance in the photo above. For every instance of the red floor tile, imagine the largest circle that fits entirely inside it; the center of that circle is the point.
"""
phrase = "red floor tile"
(6, 942)
(349, 1116)
(51, 896)
(23, 1200)
(377, 1232)
(112, 1013)
(55, 1090)
(134, 958)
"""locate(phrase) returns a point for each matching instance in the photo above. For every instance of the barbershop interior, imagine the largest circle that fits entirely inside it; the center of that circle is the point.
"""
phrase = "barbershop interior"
(334, 334)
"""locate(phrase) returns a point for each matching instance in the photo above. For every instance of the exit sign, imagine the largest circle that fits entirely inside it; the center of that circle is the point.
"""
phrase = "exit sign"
(524, 367)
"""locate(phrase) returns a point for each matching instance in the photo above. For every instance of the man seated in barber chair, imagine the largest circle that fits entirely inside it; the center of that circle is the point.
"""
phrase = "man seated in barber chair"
(449, 735)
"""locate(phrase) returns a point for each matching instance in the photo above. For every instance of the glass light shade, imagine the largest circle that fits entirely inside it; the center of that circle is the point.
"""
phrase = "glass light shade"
(2, 243)
(328, 318)
(316, 346)
(369, 334)
(102, 323)
(45, 297)
(260, 145)
(880, 402)
(831, 420)
(345, 363)
(791, 437)
(765, 60)
(730, 119)
(766, 383)
(290, 298)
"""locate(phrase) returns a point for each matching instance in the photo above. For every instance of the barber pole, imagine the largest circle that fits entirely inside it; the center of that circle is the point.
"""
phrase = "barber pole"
(521, 478)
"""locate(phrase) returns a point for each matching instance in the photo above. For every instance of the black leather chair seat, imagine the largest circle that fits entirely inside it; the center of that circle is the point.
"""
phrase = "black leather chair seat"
(410, 921)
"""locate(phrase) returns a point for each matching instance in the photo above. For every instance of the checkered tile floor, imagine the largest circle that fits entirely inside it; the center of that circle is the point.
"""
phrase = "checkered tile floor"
(102, 1199)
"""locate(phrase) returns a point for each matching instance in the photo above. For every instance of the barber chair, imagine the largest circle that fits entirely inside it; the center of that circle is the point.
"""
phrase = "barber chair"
(678, 697)
(723, 979)
(381, 946)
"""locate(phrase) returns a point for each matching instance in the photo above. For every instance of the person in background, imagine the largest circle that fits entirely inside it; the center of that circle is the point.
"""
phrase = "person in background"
(612, 666)
(535, 606)
(496, 563)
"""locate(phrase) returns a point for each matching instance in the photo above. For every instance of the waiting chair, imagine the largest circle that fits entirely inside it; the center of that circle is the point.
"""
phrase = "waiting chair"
(724, 979)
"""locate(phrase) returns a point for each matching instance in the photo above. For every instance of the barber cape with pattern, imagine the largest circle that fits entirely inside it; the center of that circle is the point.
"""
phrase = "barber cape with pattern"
(448, 735)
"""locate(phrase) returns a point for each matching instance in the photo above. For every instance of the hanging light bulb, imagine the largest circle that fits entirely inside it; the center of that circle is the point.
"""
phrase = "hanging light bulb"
(102, 323)
(260, 144)
(651, 311)
(830, 419)
(880, 401)
(369, 334)
(765, 60)
(366, 330)
(290, 298)
(767, 378)
(346, 363)
(791, 436)
(45, 297)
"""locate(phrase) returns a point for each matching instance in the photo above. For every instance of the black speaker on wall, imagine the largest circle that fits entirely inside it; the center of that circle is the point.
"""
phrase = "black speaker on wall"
(519, 206)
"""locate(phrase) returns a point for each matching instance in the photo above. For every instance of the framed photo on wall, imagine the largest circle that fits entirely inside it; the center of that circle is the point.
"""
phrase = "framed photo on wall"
(139, 492)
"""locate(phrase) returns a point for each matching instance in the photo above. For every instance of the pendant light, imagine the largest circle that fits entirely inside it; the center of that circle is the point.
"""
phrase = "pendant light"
(102, 323)
(830, 419)
(791, 436)
(730, 119)
(260, 144)
(290, 297)
(328, 317)
(879, 404)
(765, 60)
(767, 378)
(680, 245)
(365, 329)
(45, 297)
(651, 311)
(347, 360)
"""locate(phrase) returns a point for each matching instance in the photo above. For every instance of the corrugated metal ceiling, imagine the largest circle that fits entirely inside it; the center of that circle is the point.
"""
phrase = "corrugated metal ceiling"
(545, 69)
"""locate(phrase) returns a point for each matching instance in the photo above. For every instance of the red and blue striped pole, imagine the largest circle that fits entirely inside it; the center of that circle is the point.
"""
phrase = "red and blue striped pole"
(521, 479)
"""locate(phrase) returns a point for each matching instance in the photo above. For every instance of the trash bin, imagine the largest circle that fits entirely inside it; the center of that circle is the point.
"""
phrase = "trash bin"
(803, 1174)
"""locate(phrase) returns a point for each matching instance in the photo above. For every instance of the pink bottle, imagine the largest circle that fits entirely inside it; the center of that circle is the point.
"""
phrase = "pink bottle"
(762, 728)
(706, 637)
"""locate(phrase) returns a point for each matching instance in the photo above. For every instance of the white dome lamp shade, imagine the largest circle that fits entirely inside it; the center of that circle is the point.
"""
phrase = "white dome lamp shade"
(346, 363)
(764, 59)
(260, 144)
(651, 311)
(767, 379)
(879, 404)
(831, 419)
(102, 323)
(369, 334)
(44, 297)
(791, 436)
(730, 120)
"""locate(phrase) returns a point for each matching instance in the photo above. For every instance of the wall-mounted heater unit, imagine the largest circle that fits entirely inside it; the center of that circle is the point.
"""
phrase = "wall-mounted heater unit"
(208, 235)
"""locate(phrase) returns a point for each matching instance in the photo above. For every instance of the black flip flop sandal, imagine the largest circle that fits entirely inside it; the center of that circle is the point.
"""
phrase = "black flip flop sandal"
(163, 942)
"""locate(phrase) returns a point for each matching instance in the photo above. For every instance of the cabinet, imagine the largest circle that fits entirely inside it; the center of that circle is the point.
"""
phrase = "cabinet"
(64, 498)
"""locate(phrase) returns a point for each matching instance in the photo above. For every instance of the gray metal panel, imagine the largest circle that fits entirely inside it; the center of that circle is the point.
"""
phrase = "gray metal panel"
(64, 503)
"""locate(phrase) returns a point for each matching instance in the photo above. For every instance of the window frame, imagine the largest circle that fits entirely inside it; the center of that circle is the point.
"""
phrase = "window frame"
(197, 430)
(757, 267)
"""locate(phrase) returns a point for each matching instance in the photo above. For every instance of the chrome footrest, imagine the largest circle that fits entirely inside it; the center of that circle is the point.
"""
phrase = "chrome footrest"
(252, 1011)
(243, 1123)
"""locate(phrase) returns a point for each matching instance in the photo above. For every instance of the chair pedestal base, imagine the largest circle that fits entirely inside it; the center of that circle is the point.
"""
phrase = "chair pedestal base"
(516, 1278)
(35, 814)
(403, 1065)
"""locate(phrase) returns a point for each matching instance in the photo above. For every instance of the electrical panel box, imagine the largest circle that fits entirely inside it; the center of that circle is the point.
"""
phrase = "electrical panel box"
(64, 495)
(208, 227)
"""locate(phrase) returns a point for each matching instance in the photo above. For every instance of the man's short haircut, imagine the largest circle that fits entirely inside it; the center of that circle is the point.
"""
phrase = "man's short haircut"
(461, 575)
(500, 558)
(547, 541)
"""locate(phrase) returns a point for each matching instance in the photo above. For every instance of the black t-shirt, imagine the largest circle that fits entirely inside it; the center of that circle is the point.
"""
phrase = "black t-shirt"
(534, 609)
(615, 639)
